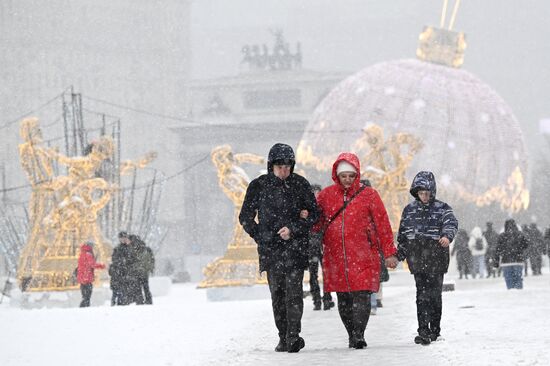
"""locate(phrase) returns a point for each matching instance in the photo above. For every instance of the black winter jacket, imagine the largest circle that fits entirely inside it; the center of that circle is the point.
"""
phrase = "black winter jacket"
(511, 246)
(122, 262)
(278, 204)
(492, 239)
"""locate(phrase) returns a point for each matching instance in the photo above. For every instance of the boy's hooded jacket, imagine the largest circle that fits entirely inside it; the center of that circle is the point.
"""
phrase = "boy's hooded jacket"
(422, 225)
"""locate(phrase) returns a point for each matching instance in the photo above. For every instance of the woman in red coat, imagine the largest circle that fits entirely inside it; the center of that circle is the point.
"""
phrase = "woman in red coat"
(85, 273)
(351, 243)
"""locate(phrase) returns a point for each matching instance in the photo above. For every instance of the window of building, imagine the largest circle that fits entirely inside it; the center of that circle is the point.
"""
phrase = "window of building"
(272, 99)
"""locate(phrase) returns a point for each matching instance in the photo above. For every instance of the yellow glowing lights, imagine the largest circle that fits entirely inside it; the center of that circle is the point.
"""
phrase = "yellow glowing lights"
(239, 265)
(385, 165)
(512, 197)
(63, 209)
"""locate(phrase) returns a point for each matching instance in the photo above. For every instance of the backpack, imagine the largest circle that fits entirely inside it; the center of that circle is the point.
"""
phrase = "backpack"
(479, 244)
(149, 260)
(74, 276)
(145, 261)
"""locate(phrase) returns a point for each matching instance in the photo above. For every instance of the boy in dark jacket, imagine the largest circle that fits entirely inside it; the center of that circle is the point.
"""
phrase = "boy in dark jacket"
(426, 229)
(277, 198)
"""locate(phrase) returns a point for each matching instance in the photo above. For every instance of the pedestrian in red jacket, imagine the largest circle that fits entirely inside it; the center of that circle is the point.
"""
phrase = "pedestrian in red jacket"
(351, 242)
(85, 273)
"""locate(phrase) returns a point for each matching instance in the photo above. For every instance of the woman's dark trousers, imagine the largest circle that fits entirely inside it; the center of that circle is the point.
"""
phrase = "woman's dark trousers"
(354, 309)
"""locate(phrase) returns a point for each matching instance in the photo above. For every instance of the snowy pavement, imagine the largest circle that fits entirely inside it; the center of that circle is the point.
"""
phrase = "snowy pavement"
(483, 324)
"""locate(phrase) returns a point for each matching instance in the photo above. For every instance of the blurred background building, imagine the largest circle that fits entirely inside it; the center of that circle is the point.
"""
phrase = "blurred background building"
(179, 76)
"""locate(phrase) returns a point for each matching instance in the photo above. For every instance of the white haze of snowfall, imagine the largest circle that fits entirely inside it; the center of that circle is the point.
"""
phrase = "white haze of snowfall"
(483, 324)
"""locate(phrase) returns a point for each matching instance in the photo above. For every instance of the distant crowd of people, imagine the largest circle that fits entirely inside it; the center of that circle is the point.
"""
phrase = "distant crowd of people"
(485, 254)
(131, 264)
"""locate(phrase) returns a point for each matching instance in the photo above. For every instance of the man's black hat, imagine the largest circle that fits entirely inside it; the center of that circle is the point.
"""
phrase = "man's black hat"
(281, 154)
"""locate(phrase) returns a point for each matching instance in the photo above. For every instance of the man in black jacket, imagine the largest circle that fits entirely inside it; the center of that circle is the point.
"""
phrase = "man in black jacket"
(277, 198)
(122, 260)
(427, 227)
(510, 254)
(492, 237)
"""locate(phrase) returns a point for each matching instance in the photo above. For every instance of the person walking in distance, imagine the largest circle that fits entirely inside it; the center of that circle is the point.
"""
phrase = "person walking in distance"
(536, 251)
(376, 297)
(492, 237)
(145, 266)
(122, 260)
(85, 272)
(478, 247)
(510, 254)
(464, 260)
(115, 269)
(315, 259)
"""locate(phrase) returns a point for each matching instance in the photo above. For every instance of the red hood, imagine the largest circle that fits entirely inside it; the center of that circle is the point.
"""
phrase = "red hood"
(353, 160)
(85, 248)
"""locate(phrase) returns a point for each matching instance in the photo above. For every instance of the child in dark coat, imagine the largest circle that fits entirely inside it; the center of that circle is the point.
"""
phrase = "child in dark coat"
(427, 227)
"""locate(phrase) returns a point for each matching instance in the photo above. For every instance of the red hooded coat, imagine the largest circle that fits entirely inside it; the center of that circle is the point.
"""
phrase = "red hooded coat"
(86, 265)
(351, 259)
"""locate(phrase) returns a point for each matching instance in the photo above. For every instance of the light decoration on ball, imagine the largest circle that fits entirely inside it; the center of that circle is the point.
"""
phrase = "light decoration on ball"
(447, 120)
(385, 162)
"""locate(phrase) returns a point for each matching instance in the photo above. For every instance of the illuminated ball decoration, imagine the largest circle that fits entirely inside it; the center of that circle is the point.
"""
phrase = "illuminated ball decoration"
(471, 139)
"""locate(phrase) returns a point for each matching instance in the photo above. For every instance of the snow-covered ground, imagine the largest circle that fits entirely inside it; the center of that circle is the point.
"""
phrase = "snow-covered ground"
(483, 324)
